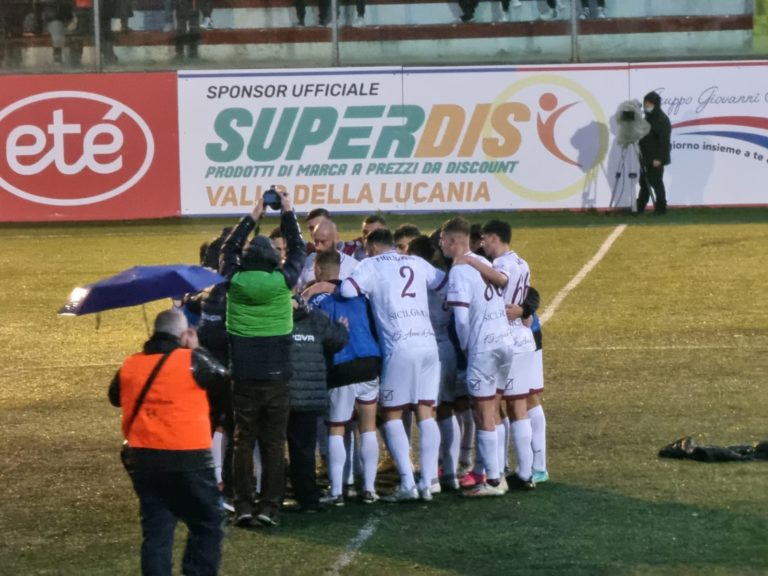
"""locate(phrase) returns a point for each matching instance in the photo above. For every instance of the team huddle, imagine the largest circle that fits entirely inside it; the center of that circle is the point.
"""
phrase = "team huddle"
(432, 329)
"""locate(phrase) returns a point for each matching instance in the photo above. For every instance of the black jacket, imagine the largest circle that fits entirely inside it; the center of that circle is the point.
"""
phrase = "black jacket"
(657, 145)
(315, 338)
(261, 359)
(209, 374)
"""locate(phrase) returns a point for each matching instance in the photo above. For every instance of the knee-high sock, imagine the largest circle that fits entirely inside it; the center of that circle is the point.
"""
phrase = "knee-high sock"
(351, 448)
(487, 448)
(467, 422)
(501, 446)
(398, 447)
(538, 437)
(218, 446)
(429, 448)
(337, 456)
(450, 443)
(521, 433)
(369, 450)
(507, 440)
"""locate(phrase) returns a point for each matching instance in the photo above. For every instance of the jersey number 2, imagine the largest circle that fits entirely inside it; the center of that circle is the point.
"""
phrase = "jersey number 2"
(407, 272)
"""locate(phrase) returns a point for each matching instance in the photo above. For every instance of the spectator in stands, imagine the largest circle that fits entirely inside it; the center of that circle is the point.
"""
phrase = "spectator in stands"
(206, 7)
(323, 17)
(124, 12)
(468, 8)
(84, 31)
(554, 11)
(56, 15)
(586, 12)
(12, 18)
(187, 28)
(359, 20)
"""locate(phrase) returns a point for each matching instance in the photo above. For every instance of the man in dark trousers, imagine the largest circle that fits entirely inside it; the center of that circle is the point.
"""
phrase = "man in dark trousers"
(169, 435)
(655, 151)
(260, 327)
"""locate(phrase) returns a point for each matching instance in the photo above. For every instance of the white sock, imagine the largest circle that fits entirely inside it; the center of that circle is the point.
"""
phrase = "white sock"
(217, 449)
(369, 450)
(501, 446)
(507, 439)
(450, 442)
(488, 451)
(521, 433)
(429, 449)
(349, 446)
(467, 422)
(538, 437)
(398, 447)
(337, 456)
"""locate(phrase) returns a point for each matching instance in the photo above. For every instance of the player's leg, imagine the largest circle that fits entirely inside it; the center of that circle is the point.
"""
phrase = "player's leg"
(516, 395)
(538, 422)
(341, 403)
(450, 442)
(502, 431)
(367, 395)
(428, 389)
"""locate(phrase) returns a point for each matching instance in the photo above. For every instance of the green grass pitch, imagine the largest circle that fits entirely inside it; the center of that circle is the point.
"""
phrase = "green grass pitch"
(667, 336)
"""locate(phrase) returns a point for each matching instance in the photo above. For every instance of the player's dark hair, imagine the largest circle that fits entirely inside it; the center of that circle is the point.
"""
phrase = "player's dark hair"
(406, 231)
(457, 225)
(317, 213)
(422, 246)
(501, 229)
(476, 232)
(375, 219)
(276, 233)
(381, 236)
(328, 259)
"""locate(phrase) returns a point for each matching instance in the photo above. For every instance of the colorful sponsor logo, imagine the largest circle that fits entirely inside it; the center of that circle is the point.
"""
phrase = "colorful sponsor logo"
(72, 148)
(749, 129)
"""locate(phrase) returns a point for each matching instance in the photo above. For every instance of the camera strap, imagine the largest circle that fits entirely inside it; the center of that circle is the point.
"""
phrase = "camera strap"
(145, 390)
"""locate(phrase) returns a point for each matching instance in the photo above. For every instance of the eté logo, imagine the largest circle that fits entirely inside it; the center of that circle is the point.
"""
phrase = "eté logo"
(72, 148)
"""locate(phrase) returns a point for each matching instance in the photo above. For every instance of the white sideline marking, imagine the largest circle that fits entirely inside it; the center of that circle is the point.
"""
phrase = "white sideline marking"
(354, 546)
(550, 310)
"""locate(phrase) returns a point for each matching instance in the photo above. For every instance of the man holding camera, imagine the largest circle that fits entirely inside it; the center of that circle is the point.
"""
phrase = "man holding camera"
(162, 391)
(260, 326)
(655, 149)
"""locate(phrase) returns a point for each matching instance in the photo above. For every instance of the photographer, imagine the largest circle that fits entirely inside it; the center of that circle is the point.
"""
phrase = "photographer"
(170, 444)
(260, 326)
(655, 150)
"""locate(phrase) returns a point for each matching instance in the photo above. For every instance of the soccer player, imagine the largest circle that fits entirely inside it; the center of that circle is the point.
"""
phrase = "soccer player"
(353, 382)
(396, 286)
(324, 238)
(512, 273)
(403, 235)
(484, 334)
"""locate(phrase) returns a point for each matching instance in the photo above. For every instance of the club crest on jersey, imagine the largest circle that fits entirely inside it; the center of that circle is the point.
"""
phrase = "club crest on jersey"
(474, 385)
(387, 394)
(509, 384)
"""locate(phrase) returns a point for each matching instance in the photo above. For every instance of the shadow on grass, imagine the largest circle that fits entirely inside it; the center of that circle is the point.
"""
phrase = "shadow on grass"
(559, 528)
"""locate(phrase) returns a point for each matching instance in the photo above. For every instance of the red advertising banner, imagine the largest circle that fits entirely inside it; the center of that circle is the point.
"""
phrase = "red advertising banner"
(89, 147)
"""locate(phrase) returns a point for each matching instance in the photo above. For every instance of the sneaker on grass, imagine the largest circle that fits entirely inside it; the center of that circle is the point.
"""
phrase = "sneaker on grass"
(402, 495)
(540, 476)
(331, 500)
(483, 489)
(370, 497)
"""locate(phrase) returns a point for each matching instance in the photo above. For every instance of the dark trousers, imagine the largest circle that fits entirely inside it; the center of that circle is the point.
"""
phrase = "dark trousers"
(324, 15)
(302, 440)
(164, 499)
(261, 414)
(85, 31)
(652, 178)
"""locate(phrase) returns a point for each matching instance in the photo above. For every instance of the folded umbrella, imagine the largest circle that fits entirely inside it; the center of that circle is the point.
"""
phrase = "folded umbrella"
(139, 285)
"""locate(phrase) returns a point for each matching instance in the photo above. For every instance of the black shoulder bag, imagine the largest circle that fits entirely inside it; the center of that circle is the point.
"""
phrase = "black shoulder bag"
(127, 455)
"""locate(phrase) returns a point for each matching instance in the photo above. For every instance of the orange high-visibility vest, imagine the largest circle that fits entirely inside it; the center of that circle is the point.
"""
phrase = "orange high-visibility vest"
(174, 415)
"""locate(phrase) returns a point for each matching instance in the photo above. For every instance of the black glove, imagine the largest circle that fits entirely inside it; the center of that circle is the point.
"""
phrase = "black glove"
(531, 303)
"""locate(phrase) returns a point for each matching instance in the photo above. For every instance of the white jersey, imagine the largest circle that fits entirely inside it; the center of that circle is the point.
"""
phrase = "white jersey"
(519, 281)
(348, 264)
(397, 286)
(440, 313)
(488, 327)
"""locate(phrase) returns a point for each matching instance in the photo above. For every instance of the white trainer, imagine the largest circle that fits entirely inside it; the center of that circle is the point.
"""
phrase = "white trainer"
(402, 495)
(483, 490)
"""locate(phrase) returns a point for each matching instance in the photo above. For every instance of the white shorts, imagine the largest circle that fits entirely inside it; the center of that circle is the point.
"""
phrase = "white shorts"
(447, 354)
(488, 372)
(537, 384)
(341, 400)
(410, 376)
(522, 376)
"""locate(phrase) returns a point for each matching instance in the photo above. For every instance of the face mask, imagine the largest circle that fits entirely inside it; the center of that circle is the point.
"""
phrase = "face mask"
(649, 109)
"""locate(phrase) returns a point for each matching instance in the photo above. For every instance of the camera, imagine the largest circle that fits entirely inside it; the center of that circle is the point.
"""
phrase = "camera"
(628, 116)
(272, 199)
(630, 124)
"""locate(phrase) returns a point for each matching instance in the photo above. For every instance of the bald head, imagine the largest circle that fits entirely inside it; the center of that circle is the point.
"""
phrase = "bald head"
(324, 236)
(171, 322)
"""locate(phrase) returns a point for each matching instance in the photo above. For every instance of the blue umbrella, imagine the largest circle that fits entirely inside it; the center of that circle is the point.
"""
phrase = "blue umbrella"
(139, 285)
